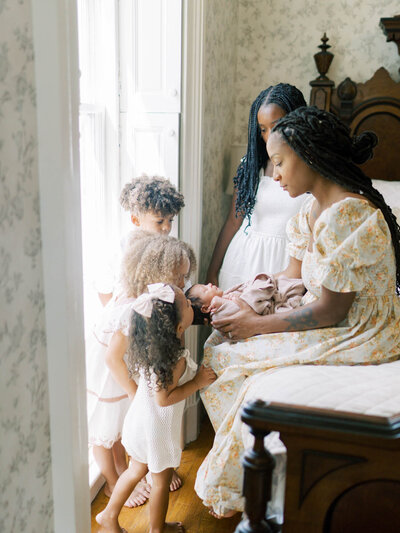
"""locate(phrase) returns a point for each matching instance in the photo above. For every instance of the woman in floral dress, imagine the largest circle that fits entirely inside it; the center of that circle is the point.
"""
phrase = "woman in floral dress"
(345, 244)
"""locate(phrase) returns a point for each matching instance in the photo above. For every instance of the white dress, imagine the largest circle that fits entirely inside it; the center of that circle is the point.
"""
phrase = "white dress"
(262, 247)
(152, 434)
(107, 401)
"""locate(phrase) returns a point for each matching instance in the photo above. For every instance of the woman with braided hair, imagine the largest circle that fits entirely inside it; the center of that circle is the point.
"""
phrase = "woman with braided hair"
(346, 245)
(253, 238)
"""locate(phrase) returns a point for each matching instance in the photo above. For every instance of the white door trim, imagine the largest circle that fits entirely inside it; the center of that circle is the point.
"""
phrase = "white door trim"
(56, 69)
(191, 161)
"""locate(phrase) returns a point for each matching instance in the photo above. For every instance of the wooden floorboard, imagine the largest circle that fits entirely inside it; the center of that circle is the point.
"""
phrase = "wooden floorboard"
(184, 504)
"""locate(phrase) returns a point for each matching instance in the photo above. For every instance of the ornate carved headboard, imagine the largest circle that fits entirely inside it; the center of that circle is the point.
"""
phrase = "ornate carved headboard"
(373, 105)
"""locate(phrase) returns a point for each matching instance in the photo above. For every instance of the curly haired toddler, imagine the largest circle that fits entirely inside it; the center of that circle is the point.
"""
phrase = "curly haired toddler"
(149, 258)
(152, 427)
(153, 202)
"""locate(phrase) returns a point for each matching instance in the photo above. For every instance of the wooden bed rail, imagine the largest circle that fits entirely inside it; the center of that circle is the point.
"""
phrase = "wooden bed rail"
(343, 470)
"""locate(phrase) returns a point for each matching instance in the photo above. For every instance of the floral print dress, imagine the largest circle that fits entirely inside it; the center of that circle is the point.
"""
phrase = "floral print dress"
(349, 250)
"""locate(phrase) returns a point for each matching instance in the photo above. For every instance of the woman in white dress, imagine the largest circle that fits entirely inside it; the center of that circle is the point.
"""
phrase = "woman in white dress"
(253, 238)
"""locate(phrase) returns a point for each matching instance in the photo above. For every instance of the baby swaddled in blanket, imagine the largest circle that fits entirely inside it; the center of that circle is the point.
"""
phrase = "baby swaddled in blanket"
(265, 294)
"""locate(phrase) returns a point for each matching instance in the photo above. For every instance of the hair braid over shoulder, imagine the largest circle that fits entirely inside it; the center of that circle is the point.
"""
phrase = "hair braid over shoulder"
(287, 97)
(325, 143)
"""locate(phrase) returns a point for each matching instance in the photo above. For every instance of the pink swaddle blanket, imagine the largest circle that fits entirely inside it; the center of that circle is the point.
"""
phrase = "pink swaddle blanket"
(265, 294)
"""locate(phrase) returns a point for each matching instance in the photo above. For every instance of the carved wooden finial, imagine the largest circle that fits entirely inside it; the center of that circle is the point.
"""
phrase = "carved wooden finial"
(322, 86)
(323, 59)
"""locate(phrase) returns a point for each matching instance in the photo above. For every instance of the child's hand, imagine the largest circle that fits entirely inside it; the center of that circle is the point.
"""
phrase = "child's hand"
(205, 376)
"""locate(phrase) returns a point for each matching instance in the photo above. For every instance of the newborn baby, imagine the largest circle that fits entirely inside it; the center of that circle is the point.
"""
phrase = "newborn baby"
(265, 294)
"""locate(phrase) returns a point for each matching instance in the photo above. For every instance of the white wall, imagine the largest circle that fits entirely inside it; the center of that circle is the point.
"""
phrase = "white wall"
(26, 503)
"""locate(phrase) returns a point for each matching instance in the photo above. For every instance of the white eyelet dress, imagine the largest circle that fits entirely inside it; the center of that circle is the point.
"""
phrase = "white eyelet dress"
(107, 401)
(262, 247)
(152, 434)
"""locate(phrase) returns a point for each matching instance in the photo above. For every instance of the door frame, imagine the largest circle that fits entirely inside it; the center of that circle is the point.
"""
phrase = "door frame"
(55, 39)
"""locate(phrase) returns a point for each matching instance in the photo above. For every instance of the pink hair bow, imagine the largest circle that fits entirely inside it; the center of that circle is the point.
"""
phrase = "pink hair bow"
(144, 303)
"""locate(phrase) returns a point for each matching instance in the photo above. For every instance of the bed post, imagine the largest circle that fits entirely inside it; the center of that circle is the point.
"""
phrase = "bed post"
(321, 87)
(258, 465)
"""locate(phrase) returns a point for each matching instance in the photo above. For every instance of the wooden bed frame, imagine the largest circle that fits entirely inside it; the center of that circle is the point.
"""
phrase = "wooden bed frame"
(343, 470)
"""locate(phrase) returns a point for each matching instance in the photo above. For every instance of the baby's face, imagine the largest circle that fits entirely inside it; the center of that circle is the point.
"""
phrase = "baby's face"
(153, 222)
(205, 292)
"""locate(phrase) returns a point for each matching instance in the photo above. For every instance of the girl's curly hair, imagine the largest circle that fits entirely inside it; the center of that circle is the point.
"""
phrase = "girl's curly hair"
(151, 193)
(152, 258)
(154, 349)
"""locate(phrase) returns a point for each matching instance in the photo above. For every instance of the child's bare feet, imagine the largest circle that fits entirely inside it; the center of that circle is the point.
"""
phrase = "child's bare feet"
(140, 494)
(109, 525)
(176, 482)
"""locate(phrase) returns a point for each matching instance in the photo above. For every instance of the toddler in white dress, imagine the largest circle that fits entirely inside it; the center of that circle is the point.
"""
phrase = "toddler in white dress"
(110, 388)
(152, 428)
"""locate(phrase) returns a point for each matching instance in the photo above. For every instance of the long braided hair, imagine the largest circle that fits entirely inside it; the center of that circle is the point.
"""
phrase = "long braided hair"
(288, 98)
(326, 145)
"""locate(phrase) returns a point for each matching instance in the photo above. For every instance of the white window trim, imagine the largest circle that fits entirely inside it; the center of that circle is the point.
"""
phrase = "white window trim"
(56, 59)
(55, 39)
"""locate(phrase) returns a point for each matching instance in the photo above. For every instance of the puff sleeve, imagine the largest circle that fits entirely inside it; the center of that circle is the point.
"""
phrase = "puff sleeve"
(298, 231)
(120, 319)
(350, 237)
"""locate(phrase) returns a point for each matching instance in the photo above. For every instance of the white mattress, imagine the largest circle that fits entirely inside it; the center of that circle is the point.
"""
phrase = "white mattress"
(371, 390)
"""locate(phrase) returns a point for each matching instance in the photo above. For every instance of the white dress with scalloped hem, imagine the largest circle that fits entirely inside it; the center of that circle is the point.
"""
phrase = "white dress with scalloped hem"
(261, 247)
(152, 434)
(107, 401)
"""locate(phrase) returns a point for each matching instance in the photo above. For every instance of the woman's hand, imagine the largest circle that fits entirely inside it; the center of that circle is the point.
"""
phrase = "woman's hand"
(240, 325)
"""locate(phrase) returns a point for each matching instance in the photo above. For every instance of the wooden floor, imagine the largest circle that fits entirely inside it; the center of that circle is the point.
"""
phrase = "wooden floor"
(184, 504)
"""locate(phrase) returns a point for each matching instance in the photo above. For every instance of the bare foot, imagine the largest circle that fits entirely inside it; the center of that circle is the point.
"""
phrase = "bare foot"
(228, 514)
(176, 482)
(173, 527)
(139, 495)
(109, 525)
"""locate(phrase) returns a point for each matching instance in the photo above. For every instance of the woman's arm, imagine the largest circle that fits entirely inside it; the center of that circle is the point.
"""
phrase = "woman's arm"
(330, 309)
(231, 226)
(174, 394)
(292, 271)
(115, 361)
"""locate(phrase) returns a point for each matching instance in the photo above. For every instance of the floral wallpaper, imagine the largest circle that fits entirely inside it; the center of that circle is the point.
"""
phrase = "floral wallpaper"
(25, 483)
(276, 41)
(219, 96)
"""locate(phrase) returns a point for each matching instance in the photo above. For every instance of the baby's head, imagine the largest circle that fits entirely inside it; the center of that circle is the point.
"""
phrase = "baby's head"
(153, 202)
(153, 258)
(158, 321)
(201, 296)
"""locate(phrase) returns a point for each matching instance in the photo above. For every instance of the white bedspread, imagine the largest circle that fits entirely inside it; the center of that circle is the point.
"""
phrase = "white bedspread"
(370, 390)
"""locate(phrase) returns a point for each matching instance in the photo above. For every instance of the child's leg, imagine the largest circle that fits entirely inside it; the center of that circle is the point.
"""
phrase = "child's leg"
(159, 497)
(108, 518)
(104, 457)
(119, 457)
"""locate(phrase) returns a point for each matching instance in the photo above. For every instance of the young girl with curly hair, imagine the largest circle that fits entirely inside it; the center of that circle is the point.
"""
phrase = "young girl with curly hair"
(149, 258)
(153, 203)
(152, 428)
